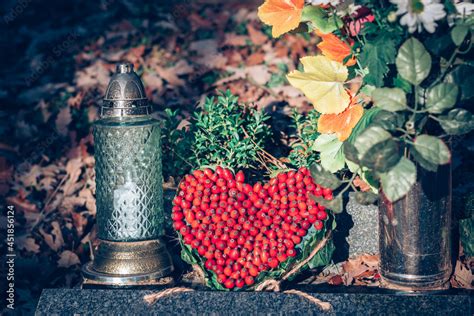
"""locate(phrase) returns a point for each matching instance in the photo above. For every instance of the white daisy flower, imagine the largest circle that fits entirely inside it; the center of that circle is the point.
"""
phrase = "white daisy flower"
(464, 8)
(324, 2)
(419, 14)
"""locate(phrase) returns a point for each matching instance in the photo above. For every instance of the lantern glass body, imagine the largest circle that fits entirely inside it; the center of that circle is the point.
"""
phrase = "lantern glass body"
(128, 178)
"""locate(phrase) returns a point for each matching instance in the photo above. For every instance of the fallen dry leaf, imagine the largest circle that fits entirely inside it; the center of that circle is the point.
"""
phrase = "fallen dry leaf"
(255, 59)
(73, 170)
(462, 277)
(233, 39)
(257, 37)
(62, 121)
(67, 259)
(259, 74)
(54, 240)
(96, 75)
(28, 244)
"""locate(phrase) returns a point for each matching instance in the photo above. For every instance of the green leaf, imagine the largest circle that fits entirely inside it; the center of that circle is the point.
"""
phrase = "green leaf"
(365, 121)
(369, 137)
(401, 83)
(376, 55)
(331, 153)
(366, 198)
(390, 99)
(381, 156)
(322, 257)
(463, 76)
(413, 61)
(457, 122)
(388, 120)
(187, 253)
(351, 153)
(427, 165)
(458, 34)
(397, 182)
(367, 90)
(324, 177)
(466, 234)
(441, 97)
(213, 283)
(432, 149)
(334, 205)
(320, 19)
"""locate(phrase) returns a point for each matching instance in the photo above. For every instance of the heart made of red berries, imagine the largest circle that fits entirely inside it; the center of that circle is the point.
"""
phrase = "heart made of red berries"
(240, 235)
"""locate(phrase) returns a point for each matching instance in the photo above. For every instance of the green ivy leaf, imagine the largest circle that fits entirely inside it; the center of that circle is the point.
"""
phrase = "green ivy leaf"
(366, 198)
(441, 97)
(320, 19)
(457, 122)
(334, 205)
(390, 99)
(330, 152)
(432, 149)
(413, 61)
(323, 177)
(398, 181)
(458, 34)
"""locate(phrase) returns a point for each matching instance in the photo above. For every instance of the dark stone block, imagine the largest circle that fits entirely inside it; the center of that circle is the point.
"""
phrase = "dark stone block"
(345, 301)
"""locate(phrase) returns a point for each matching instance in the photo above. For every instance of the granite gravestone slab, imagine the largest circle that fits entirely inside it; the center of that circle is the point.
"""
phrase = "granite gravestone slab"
(123, 302)
(364, 234)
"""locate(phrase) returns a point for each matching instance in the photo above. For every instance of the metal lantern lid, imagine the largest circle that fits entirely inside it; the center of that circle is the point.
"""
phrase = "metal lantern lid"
(125, 95)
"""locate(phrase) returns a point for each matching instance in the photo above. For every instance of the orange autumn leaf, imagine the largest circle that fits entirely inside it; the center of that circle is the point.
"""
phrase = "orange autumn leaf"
(334, 48)
(282, 15)
(342, 123)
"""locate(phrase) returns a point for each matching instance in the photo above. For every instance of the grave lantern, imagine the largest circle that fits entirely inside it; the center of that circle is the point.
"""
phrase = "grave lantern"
(129, 190)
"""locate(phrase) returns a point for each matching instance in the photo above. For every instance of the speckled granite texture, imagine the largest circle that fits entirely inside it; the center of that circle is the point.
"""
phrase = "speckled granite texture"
(364, 235)
(130, 302)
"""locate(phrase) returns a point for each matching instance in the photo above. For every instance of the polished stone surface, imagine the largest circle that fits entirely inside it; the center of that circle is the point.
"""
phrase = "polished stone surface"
(344, 301)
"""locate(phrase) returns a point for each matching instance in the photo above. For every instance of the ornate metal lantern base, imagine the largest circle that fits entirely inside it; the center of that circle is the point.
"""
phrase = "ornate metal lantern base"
(128, 263)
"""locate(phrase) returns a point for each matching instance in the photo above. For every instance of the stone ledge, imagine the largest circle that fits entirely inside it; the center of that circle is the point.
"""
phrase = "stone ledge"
(353, 301)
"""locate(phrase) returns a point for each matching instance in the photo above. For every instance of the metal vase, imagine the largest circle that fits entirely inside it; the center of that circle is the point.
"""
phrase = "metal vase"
(415, 234)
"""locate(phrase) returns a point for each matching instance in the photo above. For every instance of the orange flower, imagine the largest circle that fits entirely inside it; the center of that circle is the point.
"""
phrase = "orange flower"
(334, 48)
(282, 15)
(342, 123)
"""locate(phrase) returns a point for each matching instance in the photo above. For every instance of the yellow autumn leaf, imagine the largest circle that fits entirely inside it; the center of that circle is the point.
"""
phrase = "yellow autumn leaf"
(322, 82)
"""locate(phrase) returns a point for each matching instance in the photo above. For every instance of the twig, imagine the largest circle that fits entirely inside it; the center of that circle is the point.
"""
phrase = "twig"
(46, 204)
(264, 153)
